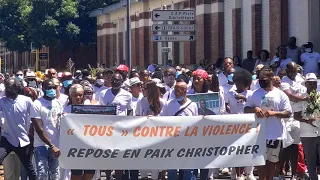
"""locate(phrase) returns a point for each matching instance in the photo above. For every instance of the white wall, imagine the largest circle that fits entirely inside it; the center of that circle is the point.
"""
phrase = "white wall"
(246, 28)
(298, 21)
(228, 6)
(265, 25)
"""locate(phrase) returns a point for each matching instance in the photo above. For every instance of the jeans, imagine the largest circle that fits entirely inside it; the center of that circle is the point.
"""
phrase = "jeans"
(22, 152)
(187, 174)
(47, 164)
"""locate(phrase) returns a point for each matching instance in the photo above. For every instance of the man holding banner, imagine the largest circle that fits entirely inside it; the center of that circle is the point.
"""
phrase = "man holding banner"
(271, 104)
(180, 106)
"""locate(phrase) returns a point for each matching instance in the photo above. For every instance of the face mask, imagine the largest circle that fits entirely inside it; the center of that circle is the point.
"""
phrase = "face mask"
(100, 81)
(67, 83)
(32, 83)
(181, 98)
(89, 97)
(51, 93)
(230, 77)
(264, 83)
(308, 50)
(87, 102)
(20, 78)
(166, 79)
(254, 77)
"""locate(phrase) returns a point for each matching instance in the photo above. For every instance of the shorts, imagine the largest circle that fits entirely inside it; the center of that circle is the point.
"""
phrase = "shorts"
(273, 150)
(78, 172)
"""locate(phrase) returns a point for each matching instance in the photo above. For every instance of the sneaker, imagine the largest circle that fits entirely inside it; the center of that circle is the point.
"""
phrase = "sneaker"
(294, 178)
(304, 176)
(240, 178)
(251, 177)
(225, 171)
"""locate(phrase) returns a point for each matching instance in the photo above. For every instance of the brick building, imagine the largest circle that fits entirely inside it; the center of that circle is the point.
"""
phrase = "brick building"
(223, 28)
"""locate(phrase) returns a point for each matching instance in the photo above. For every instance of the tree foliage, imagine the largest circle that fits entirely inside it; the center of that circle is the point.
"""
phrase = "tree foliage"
(15, 30)
(58, 23)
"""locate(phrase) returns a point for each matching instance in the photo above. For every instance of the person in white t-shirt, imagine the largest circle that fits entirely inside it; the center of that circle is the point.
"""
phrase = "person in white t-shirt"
(255, 78)
(236, 102)
(309, 134)
(99, 86)
(229, 86)
(150, 105)
(222, 76)
(77, 94)
(272, 104)
(116, 96)
(180, 106)
(135, 87)
(291, 86)
(45, 117)
(169, 79)
(310, 60)
(293, 51)
(282, 61)
(2, 88)
(122, 99)
(64, 99)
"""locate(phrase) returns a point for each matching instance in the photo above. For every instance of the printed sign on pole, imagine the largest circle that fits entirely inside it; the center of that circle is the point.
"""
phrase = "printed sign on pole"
(173, 15)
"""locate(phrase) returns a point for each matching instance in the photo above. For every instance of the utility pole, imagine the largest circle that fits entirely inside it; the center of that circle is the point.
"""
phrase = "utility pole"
(164, 44)
(128, 34)
(37, 59)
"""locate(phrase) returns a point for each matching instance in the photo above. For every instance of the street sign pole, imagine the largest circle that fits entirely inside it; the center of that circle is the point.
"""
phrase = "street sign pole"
(128, 35)
(165, 44)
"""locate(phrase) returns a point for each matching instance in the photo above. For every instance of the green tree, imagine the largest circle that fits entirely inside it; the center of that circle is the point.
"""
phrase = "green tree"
(14, 27)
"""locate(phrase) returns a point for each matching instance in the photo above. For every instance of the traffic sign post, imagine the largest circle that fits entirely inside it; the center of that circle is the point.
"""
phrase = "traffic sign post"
(166, 49)
(173, 27)
(173, 38)
(173, 15)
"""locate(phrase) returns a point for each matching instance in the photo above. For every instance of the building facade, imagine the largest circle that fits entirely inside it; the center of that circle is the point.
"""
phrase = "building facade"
(224, 28)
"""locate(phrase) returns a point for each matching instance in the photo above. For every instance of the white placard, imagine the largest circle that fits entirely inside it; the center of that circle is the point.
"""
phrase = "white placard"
(174, 15)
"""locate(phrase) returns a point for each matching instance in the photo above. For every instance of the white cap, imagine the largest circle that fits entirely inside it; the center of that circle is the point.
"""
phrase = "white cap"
(311, 77)
(30, 74)
(134, 80)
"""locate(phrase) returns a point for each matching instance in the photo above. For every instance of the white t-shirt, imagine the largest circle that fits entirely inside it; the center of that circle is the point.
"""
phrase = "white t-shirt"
(123, 100)
(50, 114)
(283, 64)
(275, 100)
(134, 102)
(97, 92)
(254, 85)
(171, 107)
(293, 85)
(226, 89)
(64, 99)
(143, 108)
(169, 95)
(237, 105)
(310, 62)
(306, 130)
(223, 80)
(293, 53)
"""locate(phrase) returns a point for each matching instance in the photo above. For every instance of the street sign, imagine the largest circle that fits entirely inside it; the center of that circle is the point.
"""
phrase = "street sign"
(166, 49)
(174, 15)
(173, 27)
(172, 38)
(43, 56)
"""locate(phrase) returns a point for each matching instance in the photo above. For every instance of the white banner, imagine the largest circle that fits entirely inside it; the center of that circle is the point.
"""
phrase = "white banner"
(177, 142)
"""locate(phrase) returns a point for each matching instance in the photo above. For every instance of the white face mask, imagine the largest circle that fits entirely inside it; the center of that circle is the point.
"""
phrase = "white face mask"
(308, 50)
(87, 102)
(100, 81)
(32, 83)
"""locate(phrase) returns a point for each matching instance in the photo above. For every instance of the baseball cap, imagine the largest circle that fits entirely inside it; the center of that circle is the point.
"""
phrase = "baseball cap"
(311, 77)
(30, 74)
(123, 67)
(134, 81)
(56, 81)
